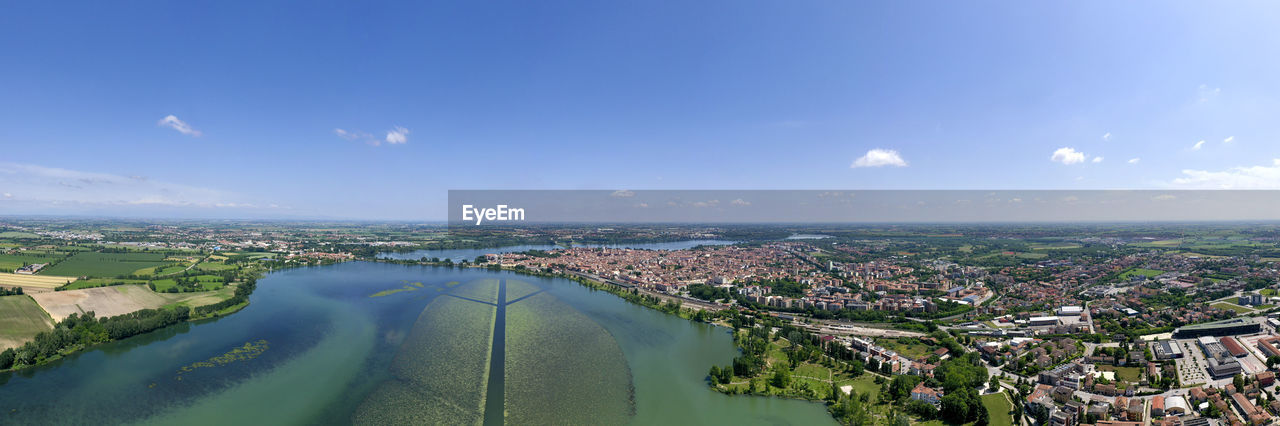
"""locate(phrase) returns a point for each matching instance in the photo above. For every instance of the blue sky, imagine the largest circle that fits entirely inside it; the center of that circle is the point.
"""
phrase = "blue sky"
(619, 95)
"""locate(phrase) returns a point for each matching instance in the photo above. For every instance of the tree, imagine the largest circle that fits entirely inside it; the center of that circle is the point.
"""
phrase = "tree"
(781, 377)
(1238, 381)
(983, 417)
(856, 368)
(715, 374)
(6, 358)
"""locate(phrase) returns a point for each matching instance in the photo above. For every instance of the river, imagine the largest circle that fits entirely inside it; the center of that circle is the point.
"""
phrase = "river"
(314, 347)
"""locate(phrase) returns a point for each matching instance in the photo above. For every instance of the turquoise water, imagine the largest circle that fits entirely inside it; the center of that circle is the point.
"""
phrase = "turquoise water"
(330, 346)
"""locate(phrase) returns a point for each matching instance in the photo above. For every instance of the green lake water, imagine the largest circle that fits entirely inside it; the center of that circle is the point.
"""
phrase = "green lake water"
(320, 350)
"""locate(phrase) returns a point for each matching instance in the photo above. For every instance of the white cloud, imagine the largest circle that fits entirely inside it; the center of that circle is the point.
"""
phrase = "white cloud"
(1197, 146)
(1097, 160)
(1134, 160)
(1164, 197)
(8, 195)
(740, 202)
(49, 186)
(879, 157)
(1207, 92)
(710, 203)
(1229, 139)
(1252, 177)
(397, 135)
(1107, 136)
(1067, 155)
(174, 123)
(623, 193)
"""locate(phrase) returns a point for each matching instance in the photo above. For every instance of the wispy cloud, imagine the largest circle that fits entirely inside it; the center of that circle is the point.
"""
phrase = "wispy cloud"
(1206, 93)
(1097, 160)
(397, 135)
(1106, 136)
(880, 157)
(1244, 177)
(623, 193)
(174, 123)
(740, 202)
(1134, 160)
(1229, 139)
(1067, 155)
(51, 186)
(1197, 146)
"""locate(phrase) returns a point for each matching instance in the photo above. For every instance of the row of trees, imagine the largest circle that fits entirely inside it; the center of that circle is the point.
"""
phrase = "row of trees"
(77, 331)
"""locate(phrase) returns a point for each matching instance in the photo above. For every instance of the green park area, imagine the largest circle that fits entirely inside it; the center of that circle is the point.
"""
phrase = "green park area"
(998, 409)
(1149, 273)
(1124, 374)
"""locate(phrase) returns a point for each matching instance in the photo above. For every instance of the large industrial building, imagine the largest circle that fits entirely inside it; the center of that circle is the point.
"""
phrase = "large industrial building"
(1219, 328)
(1166, 349)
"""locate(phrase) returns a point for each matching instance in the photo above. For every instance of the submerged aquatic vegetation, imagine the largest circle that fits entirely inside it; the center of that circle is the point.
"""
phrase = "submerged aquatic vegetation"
(248, 351)
(408, 286)
(440, 371)
(562, 367)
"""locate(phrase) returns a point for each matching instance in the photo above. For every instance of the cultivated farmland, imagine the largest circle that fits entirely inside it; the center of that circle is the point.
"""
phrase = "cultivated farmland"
(20, 320)
(105, 264)
(33, 282)
(117, 300)
(15, 261)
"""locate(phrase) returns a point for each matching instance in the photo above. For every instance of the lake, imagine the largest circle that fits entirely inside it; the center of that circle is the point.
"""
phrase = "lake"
(471, 254)
(314, 347)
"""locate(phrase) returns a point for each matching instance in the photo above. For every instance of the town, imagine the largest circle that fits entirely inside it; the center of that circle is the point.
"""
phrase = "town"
(1156, 325)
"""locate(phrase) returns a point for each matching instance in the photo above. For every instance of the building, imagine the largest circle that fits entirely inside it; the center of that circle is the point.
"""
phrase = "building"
(1212, 347)
(1061, 418)
(1233, 346)
(1042, 321)
(1252, 299)
(1063, 375)
(1166, 349)
(1070, 311)
(1157, 406)
(1266, 378)
(926, 394)
(1176, 406)
(1218, 328)
(1223, 366)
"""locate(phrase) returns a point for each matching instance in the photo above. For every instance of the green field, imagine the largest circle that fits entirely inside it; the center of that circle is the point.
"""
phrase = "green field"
(105, 264)
(101, 282)
(998, 409)
(15, 261)
(20, 320)
(1127, 374)
(17, 234)
(207, 283)
(1150, 273)
(214, 266)
(908, 347)
(1061, 245)
(1231, 306)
